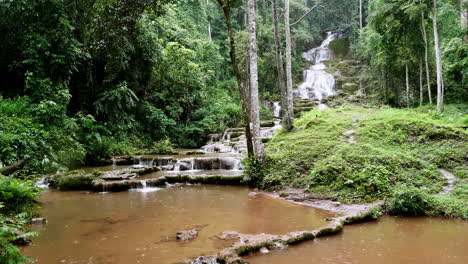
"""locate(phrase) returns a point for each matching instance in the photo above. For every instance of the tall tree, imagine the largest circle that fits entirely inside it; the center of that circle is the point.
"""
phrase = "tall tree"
(407, 86)
(279, 55)
(440, 79)
(360, 15)
(421, 97)
(253, 76)
(426, 56)
(288, 112)
(226, 6)
(464, 17)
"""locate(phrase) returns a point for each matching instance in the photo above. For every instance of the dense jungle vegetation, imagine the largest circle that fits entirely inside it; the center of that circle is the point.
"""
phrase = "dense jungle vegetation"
(82, 81)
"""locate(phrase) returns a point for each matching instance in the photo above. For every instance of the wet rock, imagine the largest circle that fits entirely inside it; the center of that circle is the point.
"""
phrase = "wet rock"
(195, 153)
(163, 161)
(167, 167)
(229, 235)
(187, 235)
(22, 241)
(204, 260)
(336, 204)
(39, 221)
(252, 194)
(264, 250)
(185, 164)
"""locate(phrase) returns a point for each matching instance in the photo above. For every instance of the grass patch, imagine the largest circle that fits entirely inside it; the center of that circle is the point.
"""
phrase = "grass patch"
(396, 149)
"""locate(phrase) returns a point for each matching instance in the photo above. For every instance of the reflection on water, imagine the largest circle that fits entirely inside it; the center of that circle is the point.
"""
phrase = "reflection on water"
(389, 240)
(136, 227)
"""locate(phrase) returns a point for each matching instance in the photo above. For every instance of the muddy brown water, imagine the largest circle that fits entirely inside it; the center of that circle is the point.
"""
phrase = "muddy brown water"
(389, 240)
(140, 226)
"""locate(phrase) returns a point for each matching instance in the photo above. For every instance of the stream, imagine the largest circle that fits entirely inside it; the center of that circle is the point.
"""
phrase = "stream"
(405, 240)
(140, 225)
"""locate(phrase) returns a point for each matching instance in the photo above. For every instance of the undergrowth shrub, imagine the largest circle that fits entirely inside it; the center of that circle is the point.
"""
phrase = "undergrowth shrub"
(409, 201)
(17, 196)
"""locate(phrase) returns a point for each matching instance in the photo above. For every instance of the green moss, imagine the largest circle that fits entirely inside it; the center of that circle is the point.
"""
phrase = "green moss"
(396, 148)
(303, 237)
(244, 250)
(330, 230)
(340, 47)
(236, 134)
(74, 180)
(267, 124)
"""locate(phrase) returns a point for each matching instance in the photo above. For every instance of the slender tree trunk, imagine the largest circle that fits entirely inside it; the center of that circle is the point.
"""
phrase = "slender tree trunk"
(421, 98)
(279, 64)
(360, 15)
(241, 83)
(407, 86)
(254, 105)
(288, 113)
(426, 57)
(464, 17)
(440, 79)
(209, 21)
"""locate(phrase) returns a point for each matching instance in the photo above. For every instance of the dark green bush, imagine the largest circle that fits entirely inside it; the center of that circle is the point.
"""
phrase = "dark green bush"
(16, 196)
(162, 147)
(409, 201)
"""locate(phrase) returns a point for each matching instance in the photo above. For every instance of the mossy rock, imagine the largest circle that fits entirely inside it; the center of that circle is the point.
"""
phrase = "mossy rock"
(303, 109)
(236, 134)
(340, 47)
(349, 88)
(74, 180)
(267, 124)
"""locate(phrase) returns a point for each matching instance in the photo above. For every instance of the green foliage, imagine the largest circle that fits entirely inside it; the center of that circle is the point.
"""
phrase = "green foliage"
(10, 233)
(16, 196)
(409, 201)
(394, 147)
(393, 39)
(162, 147)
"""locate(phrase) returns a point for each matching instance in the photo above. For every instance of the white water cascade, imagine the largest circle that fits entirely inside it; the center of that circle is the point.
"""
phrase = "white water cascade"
(317, 84)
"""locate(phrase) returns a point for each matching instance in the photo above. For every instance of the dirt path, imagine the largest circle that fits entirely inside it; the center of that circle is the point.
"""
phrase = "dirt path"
(450, 181)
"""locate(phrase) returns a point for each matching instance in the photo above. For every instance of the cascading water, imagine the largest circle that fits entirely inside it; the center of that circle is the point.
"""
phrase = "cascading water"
(317, 84)
(276, 110)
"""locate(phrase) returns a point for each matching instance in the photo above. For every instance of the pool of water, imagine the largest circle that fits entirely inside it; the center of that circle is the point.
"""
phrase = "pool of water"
(140, 227)
(419, 240)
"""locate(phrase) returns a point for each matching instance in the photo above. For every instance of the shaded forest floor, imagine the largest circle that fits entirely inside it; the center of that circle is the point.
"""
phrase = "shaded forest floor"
(363, 154)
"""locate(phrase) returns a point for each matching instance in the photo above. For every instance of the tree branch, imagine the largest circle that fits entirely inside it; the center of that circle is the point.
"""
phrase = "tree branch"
(303, 16)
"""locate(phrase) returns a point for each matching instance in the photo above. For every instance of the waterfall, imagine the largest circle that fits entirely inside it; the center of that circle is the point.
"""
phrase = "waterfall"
(317, 84)
(276, 109)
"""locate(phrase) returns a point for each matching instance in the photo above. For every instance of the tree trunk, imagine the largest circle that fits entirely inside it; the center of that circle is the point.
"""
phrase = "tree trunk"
(464, 17)
(420, 84)
(243, 88)
(254, 105)
(279, 65)
(407, 86)
(209, 22)
(14, 167)
(426, 57)
(360, 15)
(440, 80)
(288, 117)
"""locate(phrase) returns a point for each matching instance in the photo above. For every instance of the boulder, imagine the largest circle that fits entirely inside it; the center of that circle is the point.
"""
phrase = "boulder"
(187, 235)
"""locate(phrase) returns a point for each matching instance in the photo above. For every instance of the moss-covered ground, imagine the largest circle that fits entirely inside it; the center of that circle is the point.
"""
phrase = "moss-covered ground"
(395, 152)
